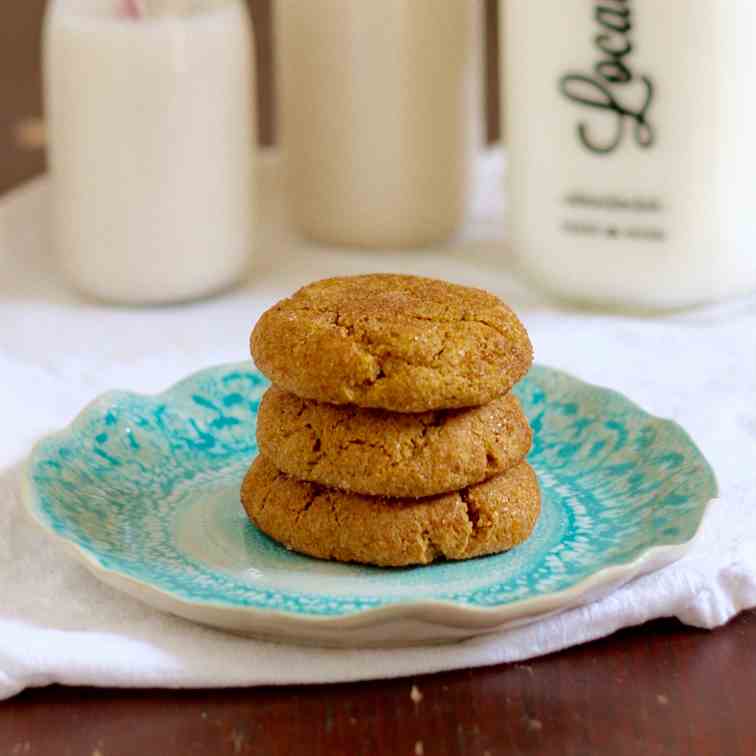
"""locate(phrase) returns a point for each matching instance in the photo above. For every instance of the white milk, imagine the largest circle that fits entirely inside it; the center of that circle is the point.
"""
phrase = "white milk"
(378, 128)
(151, 148)
(631, 147)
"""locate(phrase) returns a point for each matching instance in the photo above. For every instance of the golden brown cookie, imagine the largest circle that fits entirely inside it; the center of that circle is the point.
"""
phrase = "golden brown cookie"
(331, 524)
(400, 343)
(380, 453)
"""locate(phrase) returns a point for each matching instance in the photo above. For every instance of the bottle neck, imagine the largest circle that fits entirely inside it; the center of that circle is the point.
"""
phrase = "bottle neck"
(138, 10)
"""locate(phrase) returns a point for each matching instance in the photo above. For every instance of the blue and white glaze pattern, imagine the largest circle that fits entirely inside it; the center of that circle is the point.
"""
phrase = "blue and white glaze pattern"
(147, 487)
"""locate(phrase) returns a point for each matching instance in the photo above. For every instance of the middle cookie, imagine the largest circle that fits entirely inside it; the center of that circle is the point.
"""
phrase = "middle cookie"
(382, 453)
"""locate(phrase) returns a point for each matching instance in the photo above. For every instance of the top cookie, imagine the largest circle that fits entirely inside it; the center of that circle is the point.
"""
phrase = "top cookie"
(400, 343)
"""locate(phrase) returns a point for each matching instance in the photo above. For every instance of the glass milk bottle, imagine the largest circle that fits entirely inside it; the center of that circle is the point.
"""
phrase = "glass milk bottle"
(151, 138)
(630, 130)
(378, 122)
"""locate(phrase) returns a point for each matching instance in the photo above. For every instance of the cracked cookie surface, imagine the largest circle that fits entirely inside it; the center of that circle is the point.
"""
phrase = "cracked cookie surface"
(400, 343)
(380, 453)
(329, 524)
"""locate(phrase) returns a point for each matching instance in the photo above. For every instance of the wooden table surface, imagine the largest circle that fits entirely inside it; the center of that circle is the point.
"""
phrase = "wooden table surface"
(658, 689)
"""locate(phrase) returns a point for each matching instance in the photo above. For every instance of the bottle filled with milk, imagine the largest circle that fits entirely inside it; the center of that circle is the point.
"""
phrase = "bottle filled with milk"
(378, 117)
(632, 160)
(151, 144)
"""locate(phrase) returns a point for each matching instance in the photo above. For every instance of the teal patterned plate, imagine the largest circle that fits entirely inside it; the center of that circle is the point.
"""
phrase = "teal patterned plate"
(145, 491)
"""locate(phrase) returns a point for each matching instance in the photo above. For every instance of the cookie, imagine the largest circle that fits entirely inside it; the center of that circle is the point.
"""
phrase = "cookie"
(382, 453)
(323, 522)
(399, 343)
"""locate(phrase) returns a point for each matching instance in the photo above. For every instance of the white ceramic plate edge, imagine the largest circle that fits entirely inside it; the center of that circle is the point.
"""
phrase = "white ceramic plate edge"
(398, 624)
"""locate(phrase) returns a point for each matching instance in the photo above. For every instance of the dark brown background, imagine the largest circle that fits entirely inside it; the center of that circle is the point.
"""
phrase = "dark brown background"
(658, 689)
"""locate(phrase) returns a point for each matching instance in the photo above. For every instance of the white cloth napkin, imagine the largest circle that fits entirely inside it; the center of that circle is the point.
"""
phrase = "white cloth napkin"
(59, 624)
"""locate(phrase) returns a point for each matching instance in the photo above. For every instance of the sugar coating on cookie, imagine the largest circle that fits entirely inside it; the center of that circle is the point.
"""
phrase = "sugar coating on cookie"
(380, 453)
(400, 343)
(329, 524)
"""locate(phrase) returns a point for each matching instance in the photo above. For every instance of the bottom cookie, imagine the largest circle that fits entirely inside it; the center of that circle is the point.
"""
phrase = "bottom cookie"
(486, 518)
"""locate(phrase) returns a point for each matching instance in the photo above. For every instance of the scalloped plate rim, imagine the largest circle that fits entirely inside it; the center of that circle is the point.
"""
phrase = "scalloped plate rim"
(448, 613)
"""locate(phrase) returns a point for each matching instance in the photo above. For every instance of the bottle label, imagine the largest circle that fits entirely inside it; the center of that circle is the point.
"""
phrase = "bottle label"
(620, 99)
(614, 216)
(613, 78)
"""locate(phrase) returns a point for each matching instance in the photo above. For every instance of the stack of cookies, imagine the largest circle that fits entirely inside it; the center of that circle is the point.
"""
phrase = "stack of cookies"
(390, 436)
